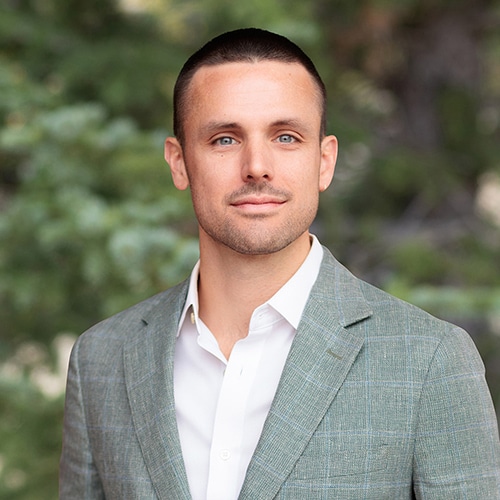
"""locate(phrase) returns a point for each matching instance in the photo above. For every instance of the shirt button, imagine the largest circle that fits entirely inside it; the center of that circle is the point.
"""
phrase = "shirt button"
(225, 454)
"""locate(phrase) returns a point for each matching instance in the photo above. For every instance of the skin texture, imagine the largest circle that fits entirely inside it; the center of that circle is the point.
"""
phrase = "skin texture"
(255, 163)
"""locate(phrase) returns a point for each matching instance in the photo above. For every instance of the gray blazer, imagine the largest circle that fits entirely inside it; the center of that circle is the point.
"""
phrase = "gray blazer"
(377, 400)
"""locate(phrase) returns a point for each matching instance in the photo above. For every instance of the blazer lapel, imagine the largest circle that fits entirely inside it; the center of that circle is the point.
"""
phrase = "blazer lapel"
(319, 360)
(148, 362)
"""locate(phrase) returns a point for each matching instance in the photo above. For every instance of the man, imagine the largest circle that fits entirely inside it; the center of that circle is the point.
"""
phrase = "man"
(272, 372)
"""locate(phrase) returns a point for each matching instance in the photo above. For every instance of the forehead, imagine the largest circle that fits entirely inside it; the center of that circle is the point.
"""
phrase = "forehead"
(254, 88)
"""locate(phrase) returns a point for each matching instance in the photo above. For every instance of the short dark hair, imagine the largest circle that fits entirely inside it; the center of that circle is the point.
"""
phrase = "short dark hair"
(242, 45)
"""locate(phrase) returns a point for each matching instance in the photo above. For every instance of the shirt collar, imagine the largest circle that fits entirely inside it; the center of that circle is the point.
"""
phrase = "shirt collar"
(289, 301)
(191, 305)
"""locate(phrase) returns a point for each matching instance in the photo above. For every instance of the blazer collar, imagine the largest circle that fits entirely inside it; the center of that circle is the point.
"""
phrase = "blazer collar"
(148, 361)
(320, 358)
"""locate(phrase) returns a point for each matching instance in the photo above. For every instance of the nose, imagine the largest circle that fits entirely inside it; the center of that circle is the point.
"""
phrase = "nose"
(256, 162)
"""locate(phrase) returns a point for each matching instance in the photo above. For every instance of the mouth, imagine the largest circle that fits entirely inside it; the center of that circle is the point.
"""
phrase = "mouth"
(258, 200)
(258, 204)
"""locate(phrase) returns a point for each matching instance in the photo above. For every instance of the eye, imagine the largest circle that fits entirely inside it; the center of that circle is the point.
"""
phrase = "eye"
(286, 139)
(224, 141)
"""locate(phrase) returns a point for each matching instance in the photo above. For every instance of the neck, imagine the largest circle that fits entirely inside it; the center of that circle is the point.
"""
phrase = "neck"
(232, 285)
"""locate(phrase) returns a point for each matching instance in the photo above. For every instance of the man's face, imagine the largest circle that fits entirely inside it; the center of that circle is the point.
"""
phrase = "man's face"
(252, 154)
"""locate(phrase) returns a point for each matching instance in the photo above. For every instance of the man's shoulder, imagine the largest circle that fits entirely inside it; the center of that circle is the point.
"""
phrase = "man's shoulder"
(390, 315)
(399, 311)
(396, 322)
(126, 324)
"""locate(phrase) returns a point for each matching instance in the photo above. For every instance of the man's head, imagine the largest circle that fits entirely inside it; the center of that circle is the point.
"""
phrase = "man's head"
(250, 143)
(243, 45)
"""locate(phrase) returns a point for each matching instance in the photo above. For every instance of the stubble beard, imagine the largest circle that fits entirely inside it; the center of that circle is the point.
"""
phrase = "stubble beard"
(255, 234)
(254, 239)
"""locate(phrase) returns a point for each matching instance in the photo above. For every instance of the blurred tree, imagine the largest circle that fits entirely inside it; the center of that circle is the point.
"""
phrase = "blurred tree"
(89, 220)
(92, 51)
(91, 228)
(414, 77)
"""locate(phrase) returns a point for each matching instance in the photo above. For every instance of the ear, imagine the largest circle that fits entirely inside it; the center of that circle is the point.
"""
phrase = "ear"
(175, 158)
(329, 149)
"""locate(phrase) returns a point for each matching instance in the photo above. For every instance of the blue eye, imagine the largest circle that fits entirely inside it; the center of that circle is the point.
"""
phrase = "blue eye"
(225, 141)
(286, 139)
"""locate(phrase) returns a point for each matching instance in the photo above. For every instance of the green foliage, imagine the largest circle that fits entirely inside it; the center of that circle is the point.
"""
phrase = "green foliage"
(90, 51)
(30, 431)
(31, 388)
(90, 229)
(89, 220)
(418, 261)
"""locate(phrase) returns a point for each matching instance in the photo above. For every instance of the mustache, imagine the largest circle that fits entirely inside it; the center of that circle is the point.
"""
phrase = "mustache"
(260, 188)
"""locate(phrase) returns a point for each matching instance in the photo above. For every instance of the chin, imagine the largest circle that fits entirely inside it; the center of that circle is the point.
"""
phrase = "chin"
(260, 246)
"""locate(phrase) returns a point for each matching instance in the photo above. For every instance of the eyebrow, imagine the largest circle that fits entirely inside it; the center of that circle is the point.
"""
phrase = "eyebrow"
(293, 124)
(214, 126)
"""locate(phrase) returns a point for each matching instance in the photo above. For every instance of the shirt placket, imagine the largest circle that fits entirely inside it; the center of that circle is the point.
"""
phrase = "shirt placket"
(225, 452)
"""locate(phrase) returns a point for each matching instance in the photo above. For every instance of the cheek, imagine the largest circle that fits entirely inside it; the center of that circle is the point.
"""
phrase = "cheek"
(308, 181)
(205, 193)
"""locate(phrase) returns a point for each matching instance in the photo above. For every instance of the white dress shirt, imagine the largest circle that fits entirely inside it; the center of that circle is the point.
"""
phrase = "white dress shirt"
(221, 404)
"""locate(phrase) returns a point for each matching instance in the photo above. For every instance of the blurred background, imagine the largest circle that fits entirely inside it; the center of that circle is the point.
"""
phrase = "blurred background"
(89, 219)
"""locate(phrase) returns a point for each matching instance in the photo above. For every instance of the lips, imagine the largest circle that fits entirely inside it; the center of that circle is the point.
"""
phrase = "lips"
(258, 200)
(258, 206)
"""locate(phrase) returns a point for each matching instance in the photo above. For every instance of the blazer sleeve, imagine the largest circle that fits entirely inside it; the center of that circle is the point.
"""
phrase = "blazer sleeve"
(457, 453)
(78, 477)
